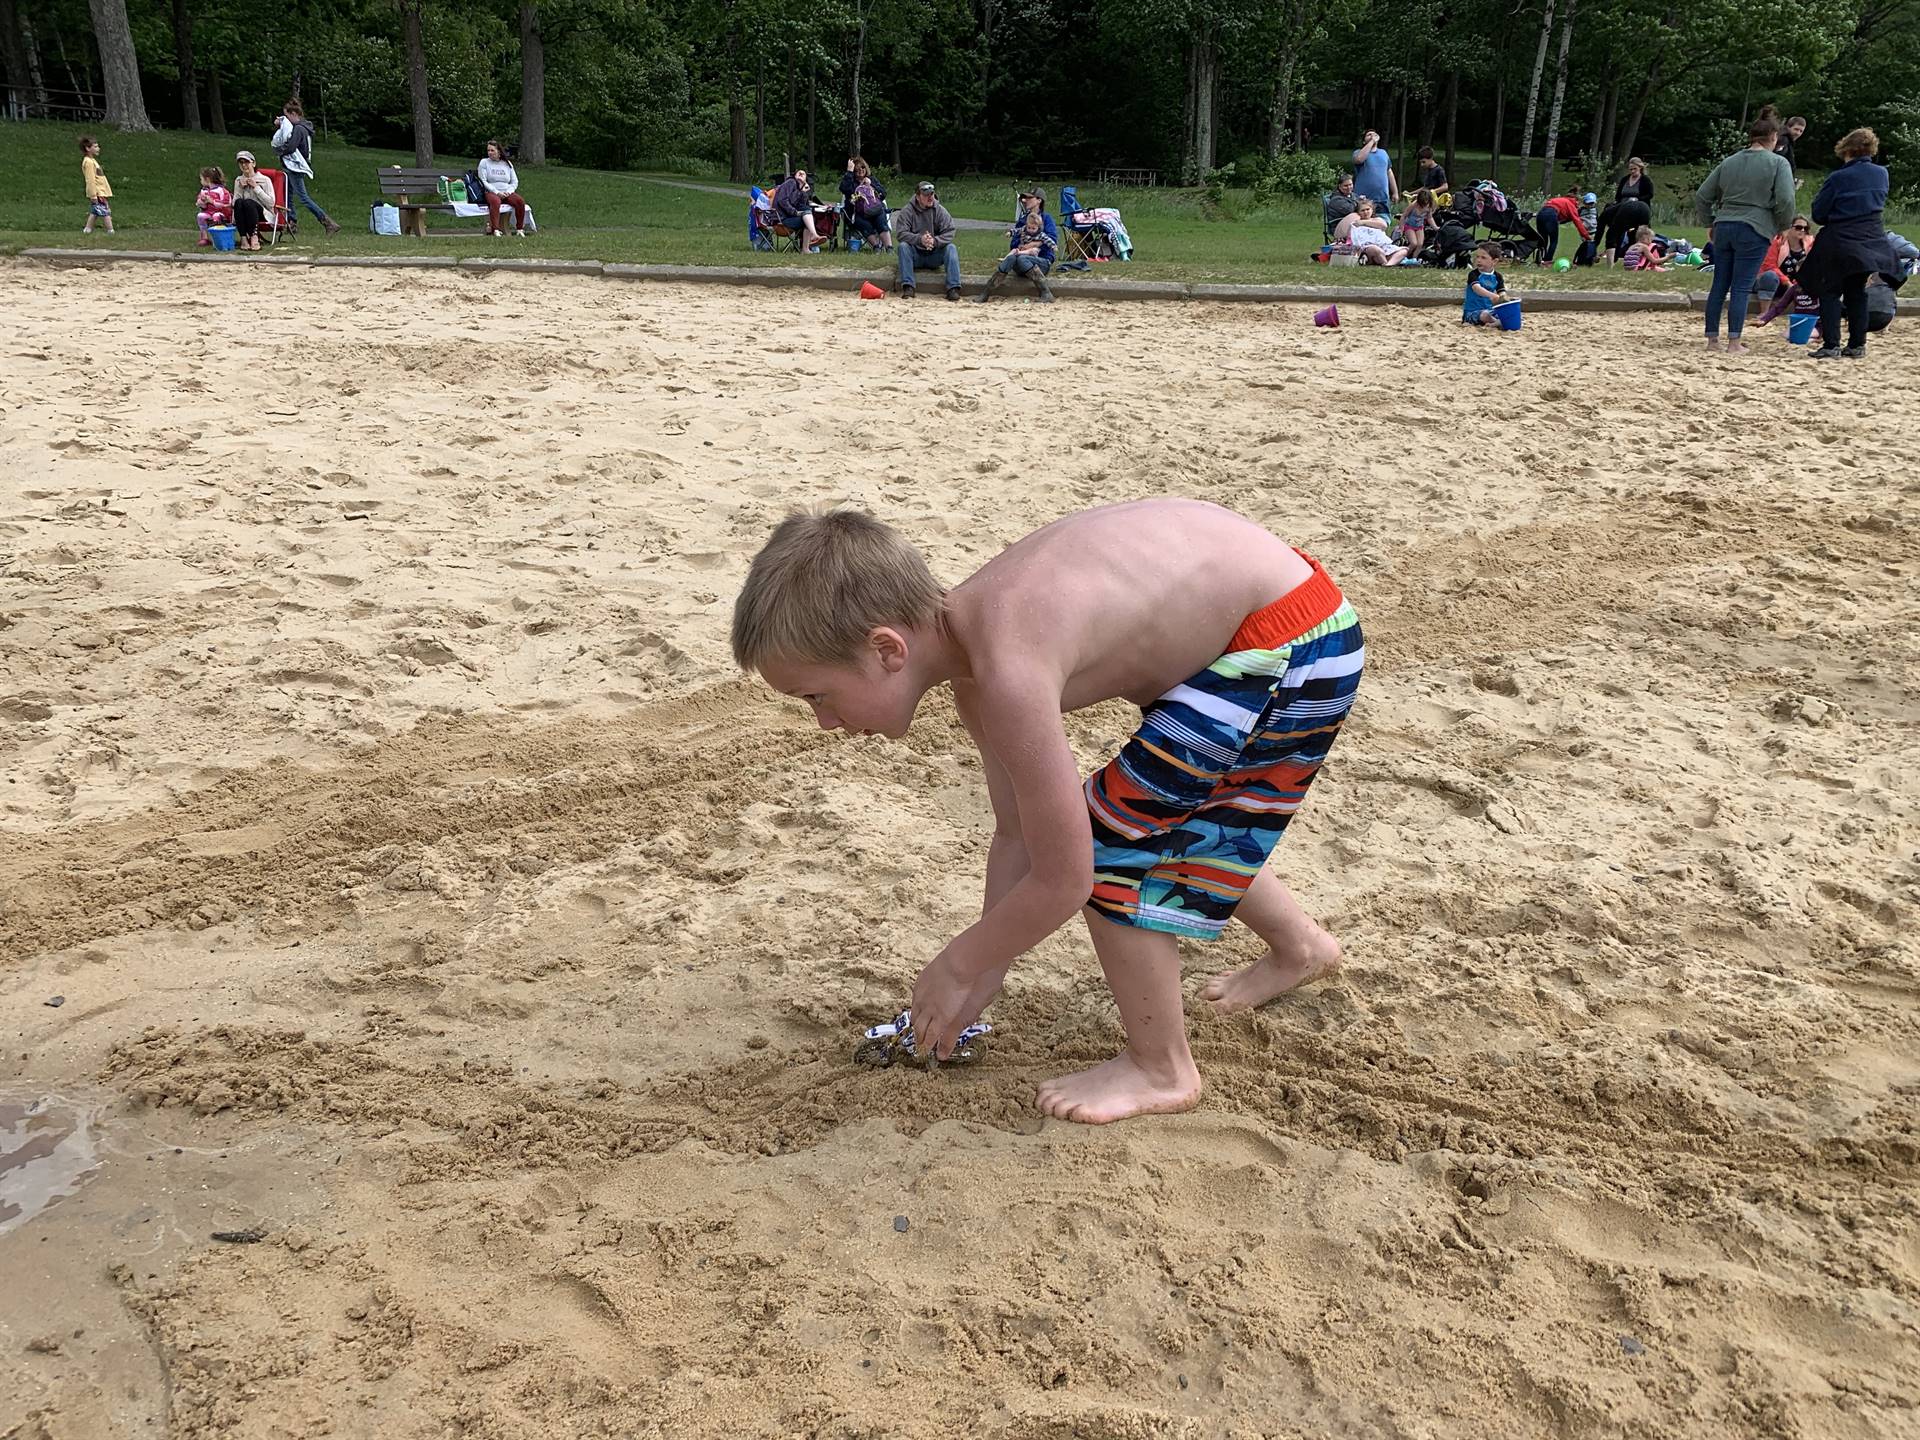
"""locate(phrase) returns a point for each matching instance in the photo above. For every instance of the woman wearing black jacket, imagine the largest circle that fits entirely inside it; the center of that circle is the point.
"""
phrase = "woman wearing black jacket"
(1632, 207)
(867, 227)
(1851, 212)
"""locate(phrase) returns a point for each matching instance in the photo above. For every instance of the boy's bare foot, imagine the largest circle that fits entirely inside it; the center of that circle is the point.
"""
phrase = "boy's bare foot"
(1273, 975)
(1735, 347)
(1713, 342)
(1120, 1088)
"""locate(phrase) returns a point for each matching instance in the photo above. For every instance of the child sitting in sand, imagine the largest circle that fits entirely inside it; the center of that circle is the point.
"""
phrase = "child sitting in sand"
(1244, 658)
(99, 192)
(1486, 287)
(1645, 252)
(215, 202)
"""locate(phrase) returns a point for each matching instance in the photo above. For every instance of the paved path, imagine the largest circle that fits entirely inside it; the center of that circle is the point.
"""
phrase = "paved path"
(734, 192)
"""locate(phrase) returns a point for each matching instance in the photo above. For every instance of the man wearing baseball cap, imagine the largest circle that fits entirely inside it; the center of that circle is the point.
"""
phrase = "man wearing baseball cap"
(924, 234)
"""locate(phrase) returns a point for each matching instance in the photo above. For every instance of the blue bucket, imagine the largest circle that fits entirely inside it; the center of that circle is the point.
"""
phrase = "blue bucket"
(1507, 313)
(222, 236)
(1800, 328)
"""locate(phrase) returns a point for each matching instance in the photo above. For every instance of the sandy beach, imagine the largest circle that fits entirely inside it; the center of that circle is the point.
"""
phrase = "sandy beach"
(433, 910)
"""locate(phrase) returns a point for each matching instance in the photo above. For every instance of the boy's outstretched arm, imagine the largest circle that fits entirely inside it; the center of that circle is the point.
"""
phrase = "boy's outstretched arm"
(1019, 722)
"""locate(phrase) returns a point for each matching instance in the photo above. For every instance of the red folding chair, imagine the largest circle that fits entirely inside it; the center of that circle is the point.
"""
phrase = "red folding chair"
(280, 216)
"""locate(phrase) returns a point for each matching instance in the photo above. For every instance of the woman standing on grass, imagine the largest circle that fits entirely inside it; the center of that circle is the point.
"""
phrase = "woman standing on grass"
(1851, 213)
(1746, 201)
(1632, 207)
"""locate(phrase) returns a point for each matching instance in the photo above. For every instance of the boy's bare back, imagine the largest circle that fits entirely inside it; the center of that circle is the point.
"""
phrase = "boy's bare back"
(1122, 602)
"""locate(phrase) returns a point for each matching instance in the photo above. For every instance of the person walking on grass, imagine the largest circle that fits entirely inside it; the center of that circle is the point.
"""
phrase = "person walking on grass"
(99, 192)
(1746, 201)
(293, 143)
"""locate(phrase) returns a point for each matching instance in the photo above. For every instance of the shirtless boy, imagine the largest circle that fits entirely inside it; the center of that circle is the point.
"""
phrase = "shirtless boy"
(1244, 658)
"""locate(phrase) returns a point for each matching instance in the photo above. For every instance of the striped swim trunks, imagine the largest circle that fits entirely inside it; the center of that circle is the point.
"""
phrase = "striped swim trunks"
(1192, 806)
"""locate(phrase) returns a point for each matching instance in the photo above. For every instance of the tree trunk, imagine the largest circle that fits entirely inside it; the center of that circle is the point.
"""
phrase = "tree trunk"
(36, 76)
(1453, 119)
(1533, 95)
(183, 56)
(1639, 111)
(813, 109)
(760, 121)
(1203, 62)
(533, 87)
(1609, 127)
(216, 106)
(980, 138)
(13, 42)
(1500, 120)
(119, 66)
(417, 82)
(736, 117)
(77, 80)
(897, 166)
(859, 61)
(1599, 118)
(1559, 97)
(1280, 101)
(786, 158)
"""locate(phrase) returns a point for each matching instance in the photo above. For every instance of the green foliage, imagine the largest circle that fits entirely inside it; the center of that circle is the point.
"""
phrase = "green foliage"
(1297, 173)
(1723, 138)
(948, 86)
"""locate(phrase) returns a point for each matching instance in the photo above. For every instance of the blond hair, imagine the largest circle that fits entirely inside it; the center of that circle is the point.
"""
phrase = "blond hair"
(822, 582)
(1856, 143)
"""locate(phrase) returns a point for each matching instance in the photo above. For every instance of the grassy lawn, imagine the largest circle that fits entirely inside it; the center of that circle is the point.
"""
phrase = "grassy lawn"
(602, 215)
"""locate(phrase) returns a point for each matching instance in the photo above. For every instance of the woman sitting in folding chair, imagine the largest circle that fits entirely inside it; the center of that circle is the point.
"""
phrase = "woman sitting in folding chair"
(253, 200)
(793, 208)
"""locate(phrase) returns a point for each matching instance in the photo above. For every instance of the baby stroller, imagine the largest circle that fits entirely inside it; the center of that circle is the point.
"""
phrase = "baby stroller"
(1451, 247)
(1482, 205)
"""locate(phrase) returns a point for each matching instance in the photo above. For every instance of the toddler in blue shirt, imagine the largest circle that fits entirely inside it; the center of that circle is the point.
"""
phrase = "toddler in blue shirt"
(1485, 287)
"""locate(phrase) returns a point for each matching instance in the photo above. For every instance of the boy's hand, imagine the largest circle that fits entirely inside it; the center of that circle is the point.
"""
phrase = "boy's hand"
(944, 1004)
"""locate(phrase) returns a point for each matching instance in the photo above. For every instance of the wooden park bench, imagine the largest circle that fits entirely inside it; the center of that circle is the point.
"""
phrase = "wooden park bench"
(399, 185)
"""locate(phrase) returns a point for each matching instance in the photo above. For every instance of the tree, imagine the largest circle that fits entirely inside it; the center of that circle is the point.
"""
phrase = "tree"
(411, 23)
(533, 87)
(183, 57)
(1533, 94)
(119, 65)
(1559, 97)
(13, 43)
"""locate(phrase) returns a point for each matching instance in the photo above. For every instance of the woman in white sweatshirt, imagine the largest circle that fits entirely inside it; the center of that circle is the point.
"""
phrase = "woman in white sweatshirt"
(502, 188)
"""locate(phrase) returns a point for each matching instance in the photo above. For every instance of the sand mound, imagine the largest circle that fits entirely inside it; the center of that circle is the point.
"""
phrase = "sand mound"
(435, 914)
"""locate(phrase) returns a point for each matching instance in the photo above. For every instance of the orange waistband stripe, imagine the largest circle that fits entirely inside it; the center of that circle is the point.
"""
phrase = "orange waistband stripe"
(1310, 603)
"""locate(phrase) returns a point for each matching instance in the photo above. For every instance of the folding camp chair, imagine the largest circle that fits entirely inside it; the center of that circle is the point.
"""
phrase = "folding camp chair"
(825, 225)
(280, 217)
(1080, 242)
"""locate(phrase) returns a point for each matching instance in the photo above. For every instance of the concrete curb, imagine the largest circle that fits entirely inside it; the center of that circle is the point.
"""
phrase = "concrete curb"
(788, 277)
(538, 267)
